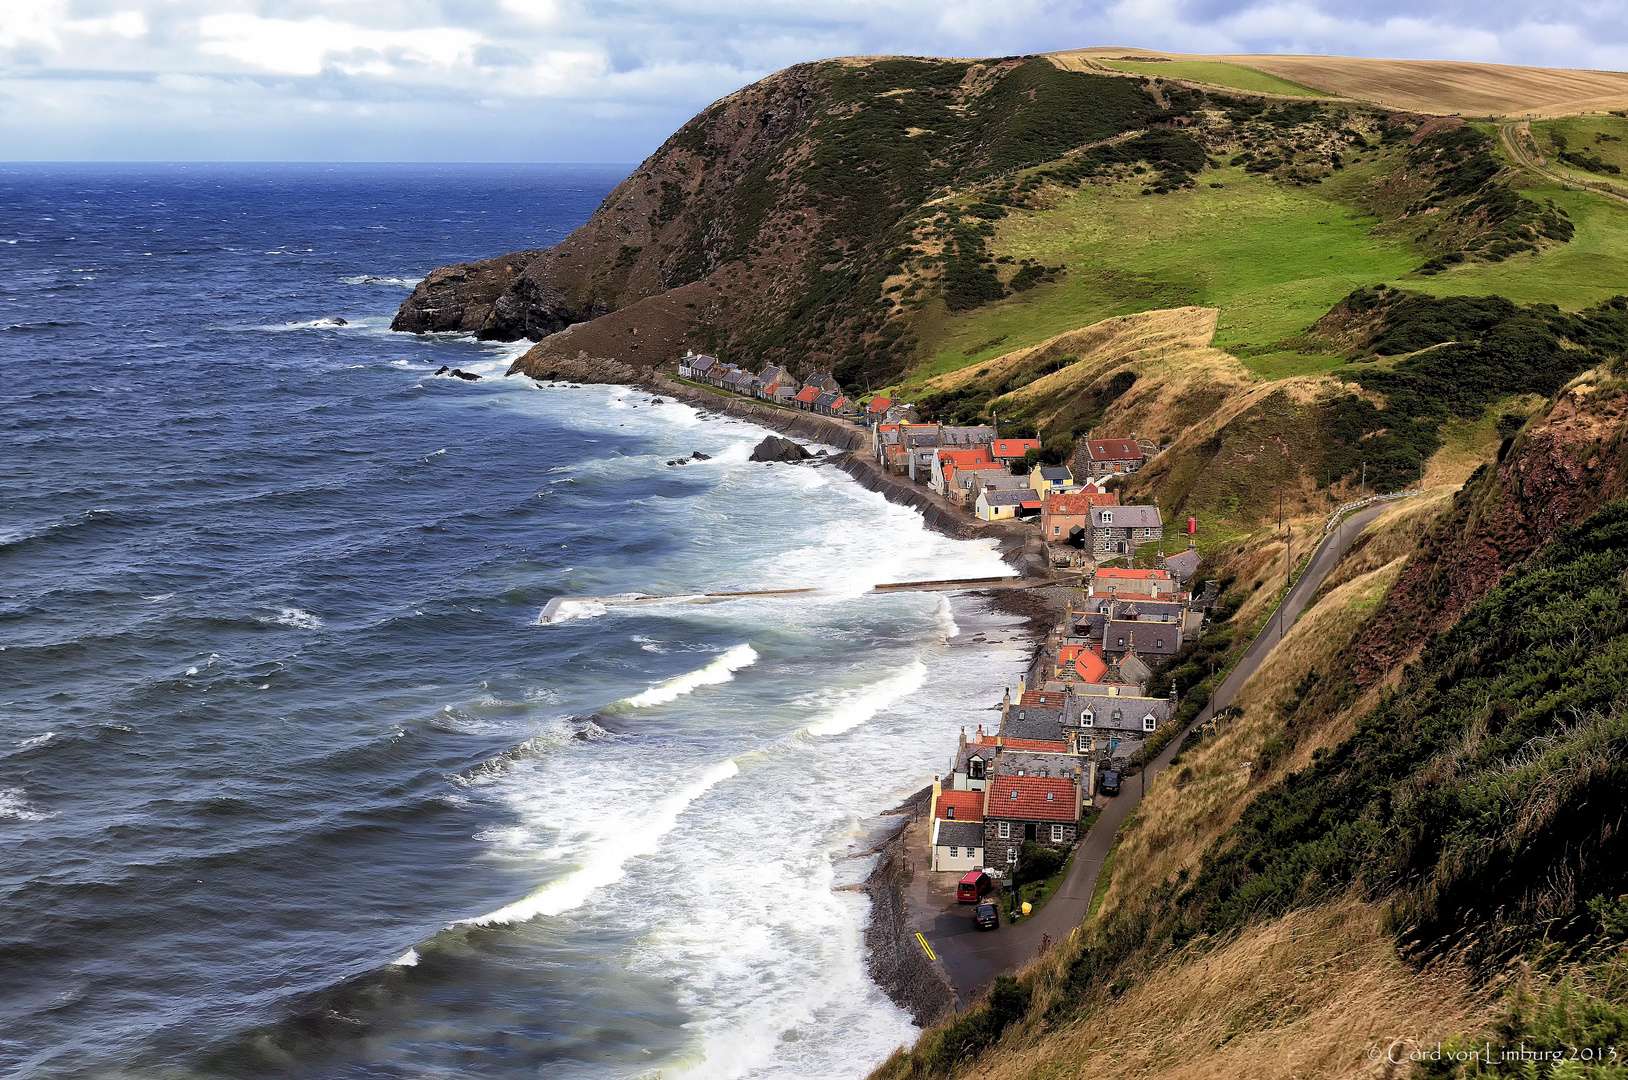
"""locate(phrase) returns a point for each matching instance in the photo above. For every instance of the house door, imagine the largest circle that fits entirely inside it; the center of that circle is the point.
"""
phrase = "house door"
(1122, 547)
(1028, 831)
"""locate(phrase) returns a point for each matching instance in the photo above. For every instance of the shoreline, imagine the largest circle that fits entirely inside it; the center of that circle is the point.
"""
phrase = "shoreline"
(893, 958)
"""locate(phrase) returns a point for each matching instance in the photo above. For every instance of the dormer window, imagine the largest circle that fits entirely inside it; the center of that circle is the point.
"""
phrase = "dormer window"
(1107, 517)
(1149, 722)
(1088, 719)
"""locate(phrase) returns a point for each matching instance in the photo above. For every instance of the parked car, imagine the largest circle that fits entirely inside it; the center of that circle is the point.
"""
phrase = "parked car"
(1109, 784)
(974, 887)
(987, 916)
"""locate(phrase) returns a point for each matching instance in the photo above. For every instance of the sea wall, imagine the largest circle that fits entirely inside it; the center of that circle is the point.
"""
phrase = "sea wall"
(897, 963)
(821, 429)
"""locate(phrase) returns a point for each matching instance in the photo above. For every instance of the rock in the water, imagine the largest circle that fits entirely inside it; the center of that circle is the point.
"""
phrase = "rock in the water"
(699, 456)
(337, 321)
(774, 448)
(658, 401)
(442, 370)
(467, 376)
(819, 453)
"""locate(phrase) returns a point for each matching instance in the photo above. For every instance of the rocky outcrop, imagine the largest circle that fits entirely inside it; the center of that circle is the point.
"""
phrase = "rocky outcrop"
(1550, 478)
(460, 298)
(774, 448)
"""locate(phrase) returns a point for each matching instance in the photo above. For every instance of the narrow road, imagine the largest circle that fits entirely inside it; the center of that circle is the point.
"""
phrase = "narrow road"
(972, 958)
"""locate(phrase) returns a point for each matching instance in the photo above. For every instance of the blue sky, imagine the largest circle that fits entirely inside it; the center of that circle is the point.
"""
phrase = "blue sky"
(607, 80)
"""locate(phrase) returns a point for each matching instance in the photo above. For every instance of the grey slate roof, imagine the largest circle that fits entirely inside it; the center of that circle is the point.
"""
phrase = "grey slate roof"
(969, 834)
(1183, 565)
(1031, 763)
(1144, 637)
(1126, 517)
(1054, 472)
(1010, 498)
(1131, 710)
(1035, 723)
(701, 363)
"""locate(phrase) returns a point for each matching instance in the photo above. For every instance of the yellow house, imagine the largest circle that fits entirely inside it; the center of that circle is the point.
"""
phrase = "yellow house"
(993, 505)
(1051, 479)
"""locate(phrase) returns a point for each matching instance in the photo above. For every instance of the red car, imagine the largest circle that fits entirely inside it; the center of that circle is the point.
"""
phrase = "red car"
(974, 887)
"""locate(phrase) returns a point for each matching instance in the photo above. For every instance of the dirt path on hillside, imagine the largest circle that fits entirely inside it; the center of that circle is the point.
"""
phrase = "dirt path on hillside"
(1517, 139)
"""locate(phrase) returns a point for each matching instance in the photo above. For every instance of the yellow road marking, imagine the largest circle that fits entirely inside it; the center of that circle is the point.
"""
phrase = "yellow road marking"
(926, 948)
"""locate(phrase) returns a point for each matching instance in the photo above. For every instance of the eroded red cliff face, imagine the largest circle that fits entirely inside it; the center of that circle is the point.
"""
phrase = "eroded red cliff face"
(1560, 470)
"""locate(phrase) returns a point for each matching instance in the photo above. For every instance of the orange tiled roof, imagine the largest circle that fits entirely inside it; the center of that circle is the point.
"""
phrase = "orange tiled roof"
(969, 805)
(1025, 797)
(1135, 575)
(1013, 447)
(1039, 746)
(880, 404)
(1052, 698)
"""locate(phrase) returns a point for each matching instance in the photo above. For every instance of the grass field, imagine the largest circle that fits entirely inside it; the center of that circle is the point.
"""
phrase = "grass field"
(1603, 137)
(1216, 74)
(1272, 257)
(1591, 268)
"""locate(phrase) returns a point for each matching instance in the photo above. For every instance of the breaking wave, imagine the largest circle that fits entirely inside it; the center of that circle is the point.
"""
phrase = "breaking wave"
(609, 856)
(721, 670)
(862, 704)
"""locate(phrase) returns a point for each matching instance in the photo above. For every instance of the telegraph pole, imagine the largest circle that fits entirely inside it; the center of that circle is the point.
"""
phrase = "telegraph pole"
(1288, 581)
(1363, 491)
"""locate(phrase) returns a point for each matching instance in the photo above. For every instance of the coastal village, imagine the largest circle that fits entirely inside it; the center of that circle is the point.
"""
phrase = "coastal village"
(1017, 794)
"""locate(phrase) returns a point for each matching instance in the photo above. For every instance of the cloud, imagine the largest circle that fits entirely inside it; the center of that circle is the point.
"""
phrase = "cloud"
(608, 79)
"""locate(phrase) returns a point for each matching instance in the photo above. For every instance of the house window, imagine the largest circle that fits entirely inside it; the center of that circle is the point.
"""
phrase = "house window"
(955, 853)
(1056, 834)
(1122, 643)
(1107, 517)
(949, 813)
(1149, 723)
(1020, 714)
(1088, 718)
(1011, 855)
(1056, 529)
(1118, 716)
(1005, 831)
(1014, 795)
(1159, 643)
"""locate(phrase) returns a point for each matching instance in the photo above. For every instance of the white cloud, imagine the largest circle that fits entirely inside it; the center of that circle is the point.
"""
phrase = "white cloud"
(307, 46)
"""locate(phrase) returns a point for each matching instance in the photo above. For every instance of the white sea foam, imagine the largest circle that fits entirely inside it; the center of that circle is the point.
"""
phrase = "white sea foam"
(572, 609)
(160, 598)
(369, 279)
(295, 617)
(14, 806)
(406, 959)
(857, 706)
(607, 858)
(721, 670)
(36, 740)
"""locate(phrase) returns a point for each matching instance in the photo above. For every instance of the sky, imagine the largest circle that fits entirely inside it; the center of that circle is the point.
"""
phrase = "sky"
(608, 80)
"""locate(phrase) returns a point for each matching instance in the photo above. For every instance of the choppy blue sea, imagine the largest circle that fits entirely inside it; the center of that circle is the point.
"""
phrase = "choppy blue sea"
(292, 780)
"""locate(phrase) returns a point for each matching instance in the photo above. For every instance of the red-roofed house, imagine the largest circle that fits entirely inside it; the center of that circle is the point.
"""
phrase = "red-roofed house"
(877, 409)
(1006, 451)
(806, 397)
(957, 840)
(1080, 662)
(1062, 514)
(959, 805)
(1051, 699)
(1104, 457)
(1044, 809)
(947, 462)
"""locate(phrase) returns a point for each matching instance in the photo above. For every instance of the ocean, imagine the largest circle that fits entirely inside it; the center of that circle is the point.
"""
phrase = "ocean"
(294, 782)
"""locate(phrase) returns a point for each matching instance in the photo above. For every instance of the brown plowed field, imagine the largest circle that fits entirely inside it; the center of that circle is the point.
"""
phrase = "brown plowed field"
(1429, 86)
